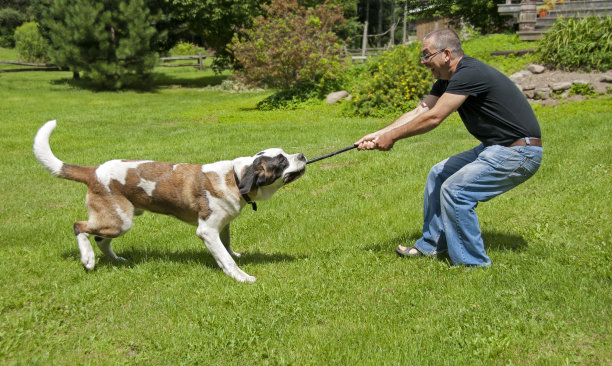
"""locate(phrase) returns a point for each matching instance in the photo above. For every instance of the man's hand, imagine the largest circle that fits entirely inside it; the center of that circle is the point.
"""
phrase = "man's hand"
(375, 141)
(384, 142)
(367, 142)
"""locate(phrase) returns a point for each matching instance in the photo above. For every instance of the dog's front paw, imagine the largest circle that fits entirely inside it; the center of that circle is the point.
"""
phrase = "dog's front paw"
(89, 262)
(242, 276)
(248, 279)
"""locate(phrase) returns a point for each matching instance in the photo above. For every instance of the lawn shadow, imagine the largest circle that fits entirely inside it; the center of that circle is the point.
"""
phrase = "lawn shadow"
(494, 241)
(158, 81)
(164, 80)
(201, 257)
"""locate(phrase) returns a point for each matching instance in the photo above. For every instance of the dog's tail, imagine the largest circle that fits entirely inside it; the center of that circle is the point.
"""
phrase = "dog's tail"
(55, 166)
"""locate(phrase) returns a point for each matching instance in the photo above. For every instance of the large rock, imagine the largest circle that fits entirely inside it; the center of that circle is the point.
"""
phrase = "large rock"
(517, 76)
(336, 96)
(564, 85)
(529, 86)
(542, 93)
(536, 69)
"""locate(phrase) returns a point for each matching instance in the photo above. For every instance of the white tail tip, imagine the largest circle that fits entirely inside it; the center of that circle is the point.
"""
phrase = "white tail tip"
(42, 150)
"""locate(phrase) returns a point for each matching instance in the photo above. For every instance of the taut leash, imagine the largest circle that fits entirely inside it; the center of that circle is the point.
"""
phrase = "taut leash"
(331, 154)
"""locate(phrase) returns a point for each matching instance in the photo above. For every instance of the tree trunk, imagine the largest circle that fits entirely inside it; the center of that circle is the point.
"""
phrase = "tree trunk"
(404, 25)
(380, 23)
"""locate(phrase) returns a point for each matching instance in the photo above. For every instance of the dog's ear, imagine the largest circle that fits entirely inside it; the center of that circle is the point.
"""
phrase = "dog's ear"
(248, 182)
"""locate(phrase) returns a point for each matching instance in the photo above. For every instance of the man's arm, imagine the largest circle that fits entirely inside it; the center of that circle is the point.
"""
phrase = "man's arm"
(426, 104)
(422, 123)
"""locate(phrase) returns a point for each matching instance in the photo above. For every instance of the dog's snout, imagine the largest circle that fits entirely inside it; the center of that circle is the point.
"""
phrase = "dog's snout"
(301, 157)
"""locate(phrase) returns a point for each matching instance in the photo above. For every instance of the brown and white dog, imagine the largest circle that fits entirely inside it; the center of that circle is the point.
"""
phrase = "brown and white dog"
(209, 196)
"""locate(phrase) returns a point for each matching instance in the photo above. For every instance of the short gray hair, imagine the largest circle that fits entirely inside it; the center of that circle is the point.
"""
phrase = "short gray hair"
(445, 38)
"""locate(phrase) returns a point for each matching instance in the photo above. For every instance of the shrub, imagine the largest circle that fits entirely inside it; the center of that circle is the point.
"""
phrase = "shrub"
(111, 42)
(583, 89)
(290, 99)
(30, 45)
(290, 46)
(573, 44)
(394, 83)
(185, 49)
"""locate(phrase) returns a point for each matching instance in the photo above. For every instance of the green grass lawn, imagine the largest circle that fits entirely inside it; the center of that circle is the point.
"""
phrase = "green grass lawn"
(330, 289)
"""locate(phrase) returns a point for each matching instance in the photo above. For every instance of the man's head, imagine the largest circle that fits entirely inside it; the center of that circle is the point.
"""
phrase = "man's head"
(441, 52)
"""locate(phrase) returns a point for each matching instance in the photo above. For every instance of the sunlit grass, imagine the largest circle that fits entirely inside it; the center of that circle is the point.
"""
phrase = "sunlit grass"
(330, 290)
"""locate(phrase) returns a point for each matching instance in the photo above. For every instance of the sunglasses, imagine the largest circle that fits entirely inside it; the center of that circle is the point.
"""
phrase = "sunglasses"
(426, 58)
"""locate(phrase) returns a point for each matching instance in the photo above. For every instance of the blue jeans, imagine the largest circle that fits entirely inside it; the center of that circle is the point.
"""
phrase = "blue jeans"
(456, 185)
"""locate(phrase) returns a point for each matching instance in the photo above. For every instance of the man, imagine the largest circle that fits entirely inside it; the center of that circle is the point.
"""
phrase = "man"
(494, 111)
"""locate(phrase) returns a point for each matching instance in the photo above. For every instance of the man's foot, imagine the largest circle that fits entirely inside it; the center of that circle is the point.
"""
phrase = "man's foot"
(403, 251)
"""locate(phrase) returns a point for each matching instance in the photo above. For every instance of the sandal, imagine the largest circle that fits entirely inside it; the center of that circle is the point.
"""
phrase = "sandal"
(408, 252)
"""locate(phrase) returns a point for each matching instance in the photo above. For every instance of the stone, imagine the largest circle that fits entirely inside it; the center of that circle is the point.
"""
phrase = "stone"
(542, 93)
(536, 69)
(580, 82)
(529, 94)
(517, 76)
(564, 85)
(336, 96)
(606, 79)
(529, 87)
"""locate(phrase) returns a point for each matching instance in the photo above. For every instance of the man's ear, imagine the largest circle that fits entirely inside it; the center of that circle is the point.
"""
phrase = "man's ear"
(251, 178)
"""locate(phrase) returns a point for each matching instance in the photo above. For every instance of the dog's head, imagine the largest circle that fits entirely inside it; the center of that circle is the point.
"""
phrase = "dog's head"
(268, 171)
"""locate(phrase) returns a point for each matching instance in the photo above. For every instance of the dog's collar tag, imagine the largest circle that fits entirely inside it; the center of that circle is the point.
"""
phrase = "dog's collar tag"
(245, 195)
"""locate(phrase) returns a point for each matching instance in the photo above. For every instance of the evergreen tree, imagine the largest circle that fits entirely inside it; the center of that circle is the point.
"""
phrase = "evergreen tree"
(109, 41)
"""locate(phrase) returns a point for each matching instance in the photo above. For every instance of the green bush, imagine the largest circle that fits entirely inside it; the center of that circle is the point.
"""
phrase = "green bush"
(290, 99)
(394, 83)
(290, 46)
(185, 49)
(583, 89)
(573, 44)
(30, 45)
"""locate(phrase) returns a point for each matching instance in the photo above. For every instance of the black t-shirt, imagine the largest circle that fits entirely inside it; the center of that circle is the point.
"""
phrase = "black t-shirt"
(495, 112)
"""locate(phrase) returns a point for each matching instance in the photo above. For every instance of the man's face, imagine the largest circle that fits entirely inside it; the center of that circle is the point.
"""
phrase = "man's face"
(434, 59)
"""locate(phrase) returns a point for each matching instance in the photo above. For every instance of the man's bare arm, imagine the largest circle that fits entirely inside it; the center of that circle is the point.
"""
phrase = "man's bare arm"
(426, 104)
(424, 122)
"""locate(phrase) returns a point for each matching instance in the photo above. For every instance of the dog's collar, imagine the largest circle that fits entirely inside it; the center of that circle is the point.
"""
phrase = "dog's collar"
(245, 195)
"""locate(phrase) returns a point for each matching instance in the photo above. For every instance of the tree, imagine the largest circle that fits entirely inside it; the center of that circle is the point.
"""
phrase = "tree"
(13, 13)
(110, 41)
(482, 14)
(212, 23)
(10, 19)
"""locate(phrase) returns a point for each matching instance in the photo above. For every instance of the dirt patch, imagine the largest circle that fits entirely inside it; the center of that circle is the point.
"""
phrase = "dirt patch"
(600, 82)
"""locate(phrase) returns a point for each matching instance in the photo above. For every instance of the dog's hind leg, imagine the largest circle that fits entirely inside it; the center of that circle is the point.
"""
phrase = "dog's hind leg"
(225, 238)
(105, 221)
(105, 246)
(213, 242)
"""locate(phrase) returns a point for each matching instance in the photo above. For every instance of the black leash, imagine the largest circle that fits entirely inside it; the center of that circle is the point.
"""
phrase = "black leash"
(254, 205)
(331, 154)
